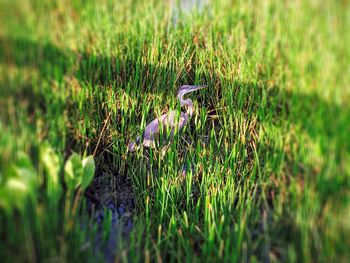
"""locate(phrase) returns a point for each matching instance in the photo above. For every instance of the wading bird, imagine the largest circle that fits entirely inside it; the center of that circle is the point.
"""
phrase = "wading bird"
(168, 121)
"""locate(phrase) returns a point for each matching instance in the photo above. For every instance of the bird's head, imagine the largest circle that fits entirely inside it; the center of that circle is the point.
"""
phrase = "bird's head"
(188, 88)
(188, 102)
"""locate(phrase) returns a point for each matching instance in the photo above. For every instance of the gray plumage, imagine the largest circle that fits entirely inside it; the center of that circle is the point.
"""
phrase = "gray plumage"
(169, 121)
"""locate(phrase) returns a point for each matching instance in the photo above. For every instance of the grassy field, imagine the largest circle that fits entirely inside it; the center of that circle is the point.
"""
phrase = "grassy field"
(261, 172)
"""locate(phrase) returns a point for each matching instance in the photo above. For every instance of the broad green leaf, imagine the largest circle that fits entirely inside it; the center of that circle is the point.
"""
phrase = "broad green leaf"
(51, 165)
(18, 191)
(89, 171)
(24, 170)
(19, 184)
(73, 171)
(16, 185)
(22, 174)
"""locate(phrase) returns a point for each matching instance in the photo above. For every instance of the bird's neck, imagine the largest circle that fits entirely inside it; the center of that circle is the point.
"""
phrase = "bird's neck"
(188, 103)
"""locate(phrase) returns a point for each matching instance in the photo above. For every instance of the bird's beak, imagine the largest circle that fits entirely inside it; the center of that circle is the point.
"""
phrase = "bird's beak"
(193, 88)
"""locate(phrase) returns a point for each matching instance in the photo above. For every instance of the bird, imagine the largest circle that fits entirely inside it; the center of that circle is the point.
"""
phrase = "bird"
(167, 121)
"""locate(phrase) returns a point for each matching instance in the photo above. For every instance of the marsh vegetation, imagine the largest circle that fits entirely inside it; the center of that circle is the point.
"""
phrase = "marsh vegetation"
(260, 173)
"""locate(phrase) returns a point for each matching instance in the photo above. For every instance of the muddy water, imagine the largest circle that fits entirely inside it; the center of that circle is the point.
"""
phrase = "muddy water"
(120, 223)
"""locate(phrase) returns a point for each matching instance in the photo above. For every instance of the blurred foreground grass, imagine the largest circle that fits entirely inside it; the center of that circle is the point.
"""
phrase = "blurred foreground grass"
(267, 151)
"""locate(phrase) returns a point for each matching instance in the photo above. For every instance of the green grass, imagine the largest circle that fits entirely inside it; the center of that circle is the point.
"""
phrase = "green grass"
(267, 151)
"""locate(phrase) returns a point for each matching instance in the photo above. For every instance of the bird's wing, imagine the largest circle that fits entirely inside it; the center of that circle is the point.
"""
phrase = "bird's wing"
(152, 128)
(171, 120)
(168, 120)
(183, 120)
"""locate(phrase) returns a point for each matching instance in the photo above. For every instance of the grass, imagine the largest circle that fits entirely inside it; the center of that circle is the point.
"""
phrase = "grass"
(266, 152)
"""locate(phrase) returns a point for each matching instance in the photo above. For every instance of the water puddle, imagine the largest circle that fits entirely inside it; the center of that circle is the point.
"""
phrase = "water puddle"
(120, 224)
(186, 8)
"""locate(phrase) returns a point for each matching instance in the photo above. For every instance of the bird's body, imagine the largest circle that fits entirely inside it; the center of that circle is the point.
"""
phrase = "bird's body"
(152, 130)
(168, 121)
